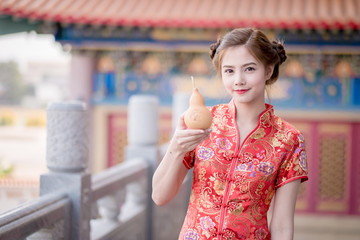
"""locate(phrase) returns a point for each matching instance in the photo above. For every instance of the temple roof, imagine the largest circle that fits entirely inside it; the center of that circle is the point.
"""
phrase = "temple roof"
(283, 14)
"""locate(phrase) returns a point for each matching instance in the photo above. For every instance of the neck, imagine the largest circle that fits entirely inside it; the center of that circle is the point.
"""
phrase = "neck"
(249, 113)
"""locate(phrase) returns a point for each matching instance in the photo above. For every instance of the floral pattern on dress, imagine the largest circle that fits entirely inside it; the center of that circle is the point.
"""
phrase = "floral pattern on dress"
(303, 162)
(205, 153)
(261, 234)
(223, 143)
(259, 133)
(228, 234)
(233, 187)
(206, 223)
(219, 186)
(191, 234)
(260, 155)
(266, 168)
(245, 167)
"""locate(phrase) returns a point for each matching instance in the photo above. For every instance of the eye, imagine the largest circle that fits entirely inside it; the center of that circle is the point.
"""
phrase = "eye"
(249, 69)
(228, 70)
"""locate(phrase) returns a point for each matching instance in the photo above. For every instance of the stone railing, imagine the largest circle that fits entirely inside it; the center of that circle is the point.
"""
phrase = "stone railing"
(48, 212)
(119, 211)
(113, 204)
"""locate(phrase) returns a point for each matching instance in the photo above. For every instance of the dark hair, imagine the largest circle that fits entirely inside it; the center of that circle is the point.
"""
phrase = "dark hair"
(269, 53)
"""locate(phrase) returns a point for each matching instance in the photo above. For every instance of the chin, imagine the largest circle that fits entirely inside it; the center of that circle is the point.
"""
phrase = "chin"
(242, 99)
(248, 100)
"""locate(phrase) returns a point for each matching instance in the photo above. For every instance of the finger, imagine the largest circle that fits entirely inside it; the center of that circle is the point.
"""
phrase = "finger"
(203, 138)
(181, 123)
(195, 144)
(189, 142)
(191, 132)
(190, 139)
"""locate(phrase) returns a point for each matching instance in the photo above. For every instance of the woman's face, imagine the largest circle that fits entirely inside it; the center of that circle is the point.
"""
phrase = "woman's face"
(243, 75)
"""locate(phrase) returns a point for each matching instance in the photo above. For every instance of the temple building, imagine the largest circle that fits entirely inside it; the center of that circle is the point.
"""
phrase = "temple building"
(121, 48)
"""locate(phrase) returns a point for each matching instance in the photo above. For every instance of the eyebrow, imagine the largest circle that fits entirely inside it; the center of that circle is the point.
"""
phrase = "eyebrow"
(245, 65)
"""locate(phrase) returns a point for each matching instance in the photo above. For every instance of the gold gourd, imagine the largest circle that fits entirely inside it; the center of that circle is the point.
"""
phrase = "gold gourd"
(197, 116)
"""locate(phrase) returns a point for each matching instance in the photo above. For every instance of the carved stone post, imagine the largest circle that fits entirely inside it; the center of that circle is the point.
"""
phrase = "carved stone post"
(67, 139)
(67, 159)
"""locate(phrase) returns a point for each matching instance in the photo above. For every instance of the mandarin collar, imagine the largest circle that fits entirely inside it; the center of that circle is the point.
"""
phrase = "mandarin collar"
(264, 117)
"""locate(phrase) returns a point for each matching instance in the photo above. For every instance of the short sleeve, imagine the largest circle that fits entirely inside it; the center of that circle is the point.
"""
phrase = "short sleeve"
(295, 165)
(189, 159)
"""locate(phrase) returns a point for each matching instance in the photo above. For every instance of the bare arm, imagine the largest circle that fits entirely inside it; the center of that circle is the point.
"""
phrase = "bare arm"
(171, 172)
(282, 221)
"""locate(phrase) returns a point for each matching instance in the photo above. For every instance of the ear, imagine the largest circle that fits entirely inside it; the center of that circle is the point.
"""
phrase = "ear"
(269, 72)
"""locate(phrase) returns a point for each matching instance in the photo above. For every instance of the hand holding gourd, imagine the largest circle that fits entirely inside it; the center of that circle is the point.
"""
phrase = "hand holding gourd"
(197, 116)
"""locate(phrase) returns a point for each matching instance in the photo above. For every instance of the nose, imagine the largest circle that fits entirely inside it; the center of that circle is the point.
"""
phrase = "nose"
(239, 80)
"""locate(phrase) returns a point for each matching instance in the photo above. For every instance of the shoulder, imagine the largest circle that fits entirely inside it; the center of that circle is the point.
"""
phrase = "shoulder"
(287, 129)
(222, 113)
(286, 126)
(221, 109)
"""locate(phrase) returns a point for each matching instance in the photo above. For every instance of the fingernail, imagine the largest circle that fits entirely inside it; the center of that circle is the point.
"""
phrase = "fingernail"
(209, 130)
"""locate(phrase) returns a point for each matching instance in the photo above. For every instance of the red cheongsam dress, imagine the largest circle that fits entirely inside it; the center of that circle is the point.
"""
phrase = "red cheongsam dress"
(233, 185)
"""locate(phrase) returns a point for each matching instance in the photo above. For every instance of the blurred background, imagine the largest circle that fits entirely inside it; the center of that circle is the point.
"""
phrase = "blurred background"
(34, 70)
(103, 52)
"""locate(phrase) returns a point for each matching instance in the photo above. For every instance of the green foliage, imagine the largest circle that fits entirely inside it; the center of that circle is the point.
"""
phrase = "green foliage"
(6, 120)
(6, 168)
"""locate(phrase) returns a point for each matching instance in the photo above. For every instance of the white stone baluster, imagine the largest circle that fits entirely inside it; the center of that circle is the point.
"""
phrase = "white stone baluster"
(143, 140)
(143, 128)
(143, 120)
(110, 206)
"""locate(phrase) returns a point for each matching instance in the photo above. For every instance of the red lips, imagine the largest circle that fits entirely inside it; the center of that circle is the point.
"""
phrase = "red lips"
(241, 91)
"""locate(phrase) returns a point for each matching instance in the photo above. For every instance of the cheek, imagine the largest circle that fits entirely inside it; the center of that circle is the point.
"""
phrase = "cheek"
(259, 79)
(227, 83)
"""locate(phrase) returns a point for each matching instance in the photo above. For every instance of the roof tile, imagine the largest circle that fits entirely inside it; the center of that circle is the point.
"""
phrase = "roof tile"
(192, 13)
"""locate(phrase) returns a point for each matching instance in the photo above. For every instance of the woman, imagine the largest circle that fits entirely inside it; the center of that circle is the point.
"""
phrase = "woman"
(248, 156)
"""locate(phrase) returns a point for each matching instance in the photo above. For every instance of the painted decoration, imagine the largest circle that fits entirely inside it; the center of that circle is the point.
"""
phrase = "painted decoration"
(318, 81)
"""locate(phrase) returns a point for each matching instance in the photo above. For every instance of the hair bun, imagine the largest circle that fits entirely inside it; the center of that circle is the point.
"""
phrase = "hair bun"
(213, 48)
(280, 50)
